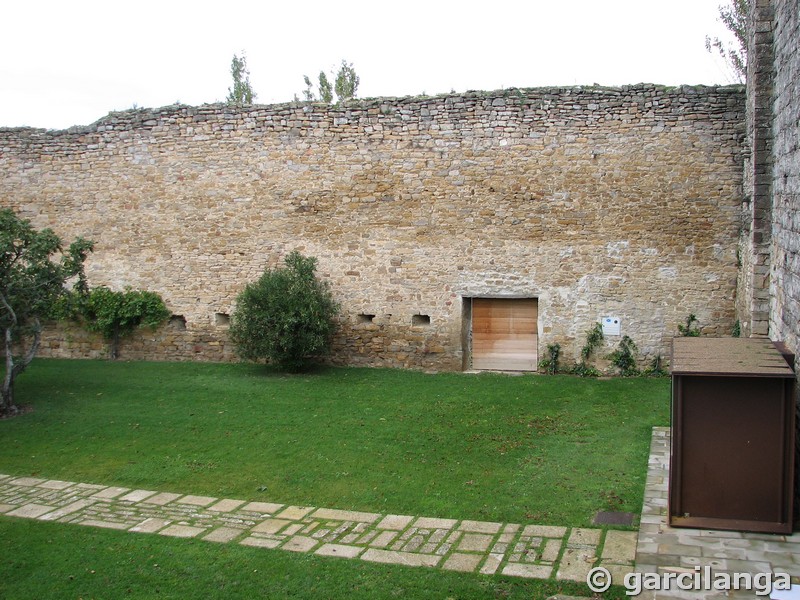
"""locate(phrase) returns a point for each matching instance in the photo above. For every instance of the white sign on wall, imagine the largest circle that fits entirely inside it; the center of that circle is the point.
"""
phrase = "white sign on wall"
(611, 325)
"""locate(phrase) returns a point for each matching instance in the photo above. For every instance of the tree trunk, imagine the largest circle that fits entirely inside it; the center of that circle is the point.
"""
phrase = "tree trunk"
(7, 405)
(115, 344)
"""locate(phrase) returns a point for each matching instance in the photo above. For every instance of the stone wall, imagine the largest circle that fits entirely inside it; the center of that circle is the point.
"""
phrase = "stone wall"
(597, 201)
(753, 298)
(785, 272)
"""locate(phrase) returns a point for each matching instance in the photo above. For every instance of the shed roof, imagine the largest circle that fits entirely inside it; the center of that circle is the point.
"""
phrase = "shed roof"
(745, 357)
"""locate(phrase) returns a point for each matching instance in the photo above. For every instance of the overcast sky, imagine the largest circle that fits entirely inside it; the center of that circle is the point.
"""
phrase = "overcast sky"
(70, 62)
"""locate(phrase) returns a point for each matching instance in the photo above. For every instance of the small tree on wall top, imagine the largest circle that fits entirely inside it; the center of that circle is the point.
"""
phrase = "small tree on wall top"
(287, 316)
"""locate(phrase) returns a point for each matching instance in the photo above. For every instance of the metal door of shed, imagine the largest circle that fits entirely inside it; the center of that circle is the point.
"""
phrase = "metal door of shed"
(504, 334)
(732, 435)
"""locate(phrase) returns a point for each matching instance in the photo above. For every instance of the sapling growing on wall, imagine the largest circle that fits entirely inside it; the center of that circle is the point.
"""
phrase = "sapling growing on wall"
(242, 91)
(345, 85)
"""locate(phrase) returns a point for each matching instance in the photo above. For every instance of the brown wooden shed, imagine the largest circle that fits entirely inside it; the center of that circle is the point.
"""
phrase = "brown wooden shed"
(733, 435)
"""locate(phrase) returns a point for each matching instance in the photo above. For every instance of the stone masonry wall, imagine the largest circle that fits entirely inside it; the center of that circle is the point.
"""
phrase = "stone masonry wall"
(597, 201)
(753, 298)
(785, 279)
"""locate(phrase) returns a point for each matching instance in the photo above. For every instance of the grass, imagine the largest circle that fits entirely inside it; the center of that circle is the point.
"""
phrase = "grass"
(54, 561)
(552, 450)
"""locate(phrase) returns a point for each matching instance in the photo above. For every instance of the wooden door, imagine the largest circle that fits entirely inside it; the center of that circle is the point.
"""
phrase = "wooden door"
(504, 334)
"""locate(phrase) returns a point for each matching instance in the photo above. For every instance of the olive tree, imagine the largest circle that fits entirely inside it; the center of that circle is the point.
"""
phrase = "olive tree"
(287, 316)
(34, 270)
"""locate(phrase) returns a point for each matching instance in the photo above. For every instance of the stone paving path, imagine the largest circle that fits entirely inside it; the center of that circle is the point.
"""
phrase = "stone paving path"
(664, 549)
(460, 545)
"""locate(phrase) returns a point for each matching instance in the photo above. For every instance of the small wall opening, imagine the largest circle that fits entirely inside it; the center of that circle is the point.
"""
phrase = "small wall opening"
(421, 320)
(222, 319)
(177, 322)
(366, 318)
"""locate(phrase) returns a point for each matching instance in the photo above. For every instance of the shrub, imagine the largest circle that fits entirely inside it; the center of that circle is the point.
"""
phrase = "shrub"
(550, 364)
(624, 357)
(594, 337)
(287, 316)
(656, 368)
(690, 329)
(117, 314)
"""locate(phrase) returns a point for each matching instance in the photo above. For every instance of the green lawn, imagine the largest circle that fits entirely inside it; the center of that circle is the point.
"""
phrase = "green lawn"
(550, 450)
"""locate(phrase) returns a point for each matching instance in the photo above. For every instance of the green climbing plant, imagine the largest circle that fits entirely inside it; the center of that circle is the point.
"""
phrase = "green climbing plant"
(594, 338)
(690, 328)
(624, 357)
(551, 363)
(116, 315)
(656, 368)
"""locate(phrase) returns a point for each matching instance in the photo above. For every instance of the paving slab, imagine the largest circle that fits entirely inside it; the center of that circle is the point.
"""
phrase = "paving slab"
(111, 492)
(161, 499)
(196, 500)
(480, 526)
(383, 539)
(54, 484)
(529, 571)
(345, 515)
(31, 511)
(339, 550)
(396, 522)
(266, 508)
(137, 495)
(182, 531)
(431, 523)
(28, 481)
(294, 513)
(226, 505)
(493, 562)
(260, 542)
(462, 562)
(66, 510)
(150, 525)
(401, 558)
(475, 542)
(104, 524)
(576, 564)
(584, 537)
(619, 547)
(544, 531)
(300, 543)
(223, 534)
(271, 526)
